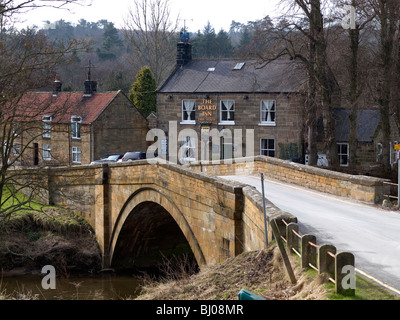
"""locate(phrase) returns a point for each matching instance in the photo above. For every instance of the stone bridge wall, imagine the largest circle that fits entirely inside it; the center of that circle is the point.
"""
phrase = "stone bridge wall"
(219, 218)
(361, 188)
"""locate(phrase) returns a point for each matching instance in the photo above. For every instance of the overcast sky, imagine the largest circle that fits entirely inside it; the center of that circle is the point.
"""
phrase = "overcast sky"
(220, 13)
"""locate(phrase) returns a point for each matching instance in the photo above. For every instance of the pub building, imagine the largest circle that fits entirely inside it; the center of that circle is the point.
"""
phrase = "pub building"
(247, 99)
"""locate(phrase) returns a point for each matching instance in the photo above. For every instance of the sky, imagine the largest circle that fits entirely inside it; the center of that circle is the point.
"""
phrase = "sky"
(193, 14)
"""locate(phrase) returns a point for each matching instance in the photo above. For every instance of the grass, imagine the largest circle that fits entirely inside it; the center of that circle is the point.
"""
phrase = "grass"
(365, 289)
(9, 200)
(35, 214)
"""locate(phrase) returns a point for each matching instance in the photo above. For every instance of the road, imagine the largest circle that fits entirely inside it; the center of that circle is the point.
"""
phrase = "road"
(370, 233)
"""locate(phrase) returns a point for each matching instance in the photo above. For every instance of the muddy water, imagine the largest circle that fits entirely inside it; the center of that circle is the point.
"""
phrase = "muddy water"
(104, 287)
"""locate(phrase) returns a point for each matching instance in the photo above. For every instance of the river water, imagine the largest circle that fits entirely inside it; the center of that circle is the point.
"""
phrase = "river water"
(101, 287)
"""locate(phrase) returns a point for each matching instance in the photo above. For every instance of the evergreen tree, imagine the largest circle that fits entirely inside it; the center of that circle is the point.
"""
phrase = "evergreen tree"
(224, 48)
(111, 43)
(209, 40)
(143, 92)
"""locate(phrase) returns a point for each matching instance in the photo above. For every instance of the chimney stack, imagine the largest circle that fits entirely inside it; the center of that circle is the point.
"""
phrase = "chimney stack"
(184, 50)
(57, 85)
(90, 86)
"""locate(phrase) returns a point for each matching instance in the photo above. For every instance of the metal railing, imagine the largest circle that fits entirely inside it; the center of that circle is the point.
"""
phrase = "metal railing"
(394, 189)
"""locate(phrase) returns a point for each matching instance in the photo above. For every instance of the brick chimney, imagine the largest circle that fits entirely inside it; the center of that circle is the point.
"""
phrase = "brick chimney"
(90, 85)
(57, 86)
(184, 50)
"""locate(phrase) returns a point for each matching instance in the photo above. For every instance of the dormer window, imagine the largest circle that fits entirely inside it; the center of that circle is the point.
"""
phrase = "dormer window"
(46, 125)
(76, 122)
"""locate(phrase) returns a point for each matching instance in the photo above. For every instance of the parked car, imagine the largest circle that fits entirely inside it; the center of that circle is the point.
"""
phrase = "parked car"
(109, 158)
(134, 156)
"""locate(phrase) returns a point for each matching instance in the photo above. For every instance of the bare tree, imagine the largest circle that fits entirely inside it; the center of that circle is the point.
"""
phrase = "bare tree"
(388, 14)
(150, 30)
(351, 45)
(302, 35)
(29, 62)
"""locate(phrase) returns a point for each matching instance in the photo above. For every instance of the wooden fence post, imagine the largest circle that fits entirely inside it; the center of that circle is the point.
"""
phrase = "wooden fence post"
(326, 263)
(308, 252)
(345, 277)
(291, 238)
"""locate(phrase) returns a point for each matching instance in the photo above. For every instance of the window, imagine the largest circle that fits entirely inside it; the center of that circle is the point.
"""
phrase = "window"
(188, 150)
(16, 130)
(239, 66)
(16, 149)
(227, 148)
(188, 112)
(343, 152)
(228, 112)
(76, 155)
(76, 127)
(268, 112)
(267, 147)
(46, 152)
(47, 126)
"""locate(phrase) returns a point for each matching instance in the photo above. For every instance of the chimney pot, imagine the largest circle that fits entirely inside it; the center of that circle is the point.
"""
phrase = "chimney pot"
(57, 85)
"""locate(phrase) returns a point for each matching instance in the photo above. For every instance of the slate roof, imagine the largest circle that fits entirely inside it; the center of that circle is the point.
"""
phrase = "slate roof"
(367, 124)
(34, 105)
(281, 76)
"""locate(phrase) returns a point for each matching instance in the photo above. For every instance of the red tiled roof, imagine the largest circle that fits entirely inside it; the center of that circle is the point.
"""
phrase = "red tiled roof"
(34, 105)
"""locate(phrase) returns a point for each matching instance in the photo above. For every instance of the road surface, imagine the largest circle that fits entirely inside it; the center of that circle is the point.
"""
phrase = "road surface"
(370, 233)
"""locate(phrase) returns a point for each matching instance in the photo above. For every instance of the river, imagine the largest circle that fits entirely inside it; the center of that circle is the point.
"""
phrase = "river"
(99, 287)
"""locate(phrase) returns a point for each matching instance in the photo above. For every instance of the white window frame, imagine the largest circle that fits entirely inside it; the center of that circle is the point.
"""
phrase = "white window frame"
(76, 132)
(268, 117)
(46, 125)
(16, 149)
(46, 148)
(188, 150)
(76, 155)
(341, 154)
(268, 150)
(185, 112)
(228, 121)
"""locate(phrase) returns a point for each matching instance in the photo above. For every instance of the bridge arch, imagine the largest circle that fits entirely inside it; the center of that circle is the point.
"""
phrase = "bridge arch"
(141, 199)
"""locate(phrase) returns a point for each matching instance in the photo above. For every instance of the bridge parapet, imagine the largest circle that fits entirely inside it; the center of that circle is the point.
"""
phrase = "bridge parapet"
(219, 218)
(357, 187)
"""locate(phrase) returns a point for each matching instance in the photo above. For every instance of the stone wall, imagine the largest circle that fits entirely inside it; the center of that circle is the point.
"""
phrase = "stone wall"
(219, 218)
(253, 220)
(286, 131)
(119, 129)
(361, 188)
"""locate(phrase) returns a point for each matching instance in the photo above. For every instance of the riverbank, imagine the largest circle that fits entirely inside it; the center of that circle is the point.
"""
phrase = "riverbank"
(30, 240)
(261, 272)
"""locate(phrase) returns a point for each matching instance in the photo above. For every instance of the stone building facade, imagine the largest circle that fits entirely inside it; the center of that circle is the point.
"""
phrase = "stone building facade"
(255, 109)
(62, 128)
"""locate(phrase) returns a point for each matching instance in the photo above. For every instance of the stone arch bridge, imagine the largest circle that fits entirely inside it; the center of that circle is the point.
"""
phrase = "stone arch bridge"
(139, 204)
